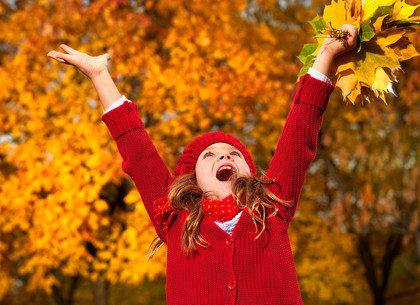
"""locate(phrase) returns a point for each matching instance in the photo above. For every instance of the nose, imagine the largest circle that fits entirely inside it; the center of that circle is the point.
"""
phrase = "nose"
(224, 155)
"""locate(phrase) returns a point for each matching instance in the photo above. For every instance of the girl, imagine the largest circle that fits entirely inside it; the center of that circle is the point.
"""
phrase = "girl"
(225, 229)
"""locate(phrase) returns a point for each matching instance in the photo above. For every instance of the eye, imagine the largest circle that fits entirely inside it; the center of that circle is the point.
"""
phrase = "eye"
(235, 153)
(208, 154)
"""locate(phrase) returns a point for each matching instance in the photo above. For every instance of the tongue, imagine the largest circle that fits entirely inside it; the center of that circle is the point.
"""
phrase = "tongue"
(224, 174)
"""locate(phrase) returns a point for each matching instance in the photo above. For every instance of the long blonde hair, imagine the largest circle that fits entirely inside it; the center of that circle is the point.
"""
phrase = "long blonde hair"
(185, 195)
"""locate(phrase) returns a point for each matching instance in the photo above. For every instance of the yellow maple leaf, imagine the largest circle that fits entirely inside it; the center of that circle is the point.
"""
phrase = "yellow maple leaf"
(382, 80)
(371, 6)
(403, 11)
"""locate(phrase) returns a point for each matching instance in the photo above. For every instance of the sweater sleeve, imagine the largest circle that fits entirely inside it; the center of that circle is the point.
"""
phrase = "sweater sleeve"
(296, 148)
(141, 160)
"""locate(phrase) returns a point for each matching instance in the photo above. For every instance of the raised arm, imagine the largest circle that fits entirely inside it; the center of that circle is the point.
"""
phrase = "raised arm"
(94, 67)
(297, 145)
(140, 158)
(141, 161)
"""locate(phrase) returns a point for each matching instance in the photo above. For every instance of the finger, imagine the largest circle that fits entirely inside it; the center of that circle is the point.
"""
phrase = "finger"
(57, 59)
(68, 49)
(53, 55)
(61, 57)
(352, 29)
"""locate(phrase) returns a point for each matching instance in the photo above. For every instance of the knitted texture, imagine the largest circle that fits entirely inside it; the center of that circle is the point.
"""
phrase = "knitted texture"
(186, 162)
(234, 269)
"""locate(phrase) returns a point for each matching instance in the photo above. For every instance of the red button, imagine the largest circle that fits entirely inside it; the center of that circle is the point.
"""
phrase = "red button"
(228, 241)
(232, 285)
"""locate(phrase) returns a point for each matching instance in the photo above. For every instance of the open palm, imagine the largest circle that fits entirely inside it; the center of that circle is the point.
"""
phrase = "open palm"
(91, 66)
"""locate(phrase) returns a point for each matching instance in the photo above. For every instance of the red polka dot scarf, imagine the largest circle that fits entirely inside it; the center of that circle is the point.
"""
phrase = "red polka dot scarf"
(217, 210)
(220, 210)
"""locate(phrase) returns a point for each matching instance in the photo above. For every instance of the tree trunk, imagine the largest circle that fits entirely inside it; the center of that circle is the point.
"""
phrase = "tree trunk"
(100, 292)
(379, 299)
(378, 279)
(58, 297)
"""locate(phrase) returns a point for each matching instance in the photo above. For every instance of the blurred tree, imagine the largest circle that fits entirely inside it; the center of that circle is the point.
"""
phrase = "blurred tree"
(67, 211)
(367, 179)
(69, 218)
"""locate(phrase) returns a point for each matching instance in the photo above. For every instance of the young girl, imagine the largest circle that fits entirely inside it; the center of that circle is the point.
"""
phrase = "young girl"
(226, 230)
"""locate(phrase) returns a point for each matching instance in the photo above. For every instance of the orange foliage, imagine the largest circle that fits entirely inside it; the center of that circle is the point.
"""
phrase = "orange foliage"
(68, 209)
(188, 69)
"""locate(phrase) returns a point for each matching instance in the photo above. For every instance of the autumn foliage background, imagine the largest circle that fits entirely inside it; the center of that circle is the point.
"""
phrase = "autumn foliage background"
(72, 228)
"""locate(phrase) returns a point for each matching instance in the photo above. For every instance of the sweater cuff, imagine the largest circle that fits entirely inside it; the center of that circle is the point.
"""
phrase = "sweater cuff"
(122, 119)
(313, 92)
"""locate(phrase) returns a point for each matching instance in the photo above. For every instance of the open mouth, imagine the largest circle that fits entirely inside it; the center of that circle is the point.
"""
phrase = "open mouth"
(225, 173)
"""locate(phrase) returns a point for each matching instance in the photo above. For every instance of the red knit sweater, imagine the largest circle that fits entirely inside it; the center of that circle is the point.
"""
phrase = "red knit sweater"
(236, 269)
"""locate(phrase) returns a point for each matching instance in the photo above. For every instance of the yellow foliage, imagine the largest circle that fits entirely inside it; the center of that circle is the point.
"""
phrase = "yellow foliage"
(190, 71)
(326, 268)
(6, 283)
(384, 40)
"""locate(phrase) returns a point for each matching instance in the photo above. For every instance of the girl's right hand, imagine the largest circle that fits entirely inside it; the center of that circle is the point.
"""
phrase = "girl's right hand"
(91, 66)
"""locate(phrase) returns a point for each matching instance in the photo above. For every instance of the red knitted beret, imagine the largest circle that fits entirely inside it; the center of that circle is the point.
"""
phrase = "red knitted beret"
(188, 159)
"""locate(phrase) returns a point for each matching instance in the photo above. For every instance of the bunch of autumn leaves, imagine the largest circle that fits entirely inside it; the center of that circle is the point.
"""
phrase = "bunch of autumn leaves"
(386, 31)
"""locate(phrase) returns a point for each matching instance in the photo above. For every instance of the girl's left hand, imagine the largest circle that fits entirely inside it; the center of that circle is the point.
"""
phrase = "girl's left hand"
(336, 47)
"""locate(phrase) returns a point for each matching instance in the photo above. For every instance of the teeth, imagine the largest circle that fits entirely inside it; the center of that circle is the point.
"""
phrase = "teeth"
(225, 173)
(226, 167)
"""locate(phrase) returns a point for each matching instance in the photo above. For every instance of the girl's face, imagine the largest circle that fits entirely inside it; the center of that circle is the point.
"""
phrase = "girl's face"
(217, 166)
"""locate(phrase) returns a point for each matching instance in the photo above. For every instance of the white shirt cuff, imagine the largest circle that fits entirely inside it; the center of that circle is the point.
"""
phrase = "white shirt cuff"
(116, 104)
(319, 76)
